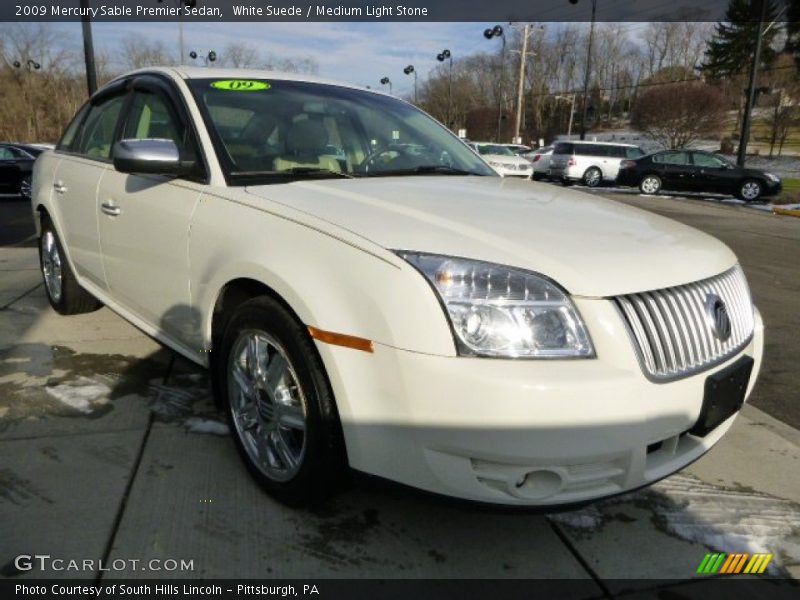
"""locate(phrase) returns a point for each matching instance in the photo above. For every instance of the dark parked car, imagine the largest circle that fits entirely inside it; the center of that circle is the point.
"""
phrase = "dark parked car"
(696, 171)
(16, 165)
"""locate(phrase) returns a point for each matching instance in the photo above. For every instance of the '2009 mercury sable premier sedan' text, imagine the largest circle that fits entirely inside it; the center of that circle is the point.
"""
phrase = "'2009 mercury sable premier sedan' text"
(368, 293)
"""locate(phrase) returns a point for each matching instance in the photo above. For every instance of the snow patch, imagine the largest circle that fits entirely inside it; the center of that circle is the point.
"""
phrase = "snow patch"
(722, 519)
(82, 394)
(201, 425)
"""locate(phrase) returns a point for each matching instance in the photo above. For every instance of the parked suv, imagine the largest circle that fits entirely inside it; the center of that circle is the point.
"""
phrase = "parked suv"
(589, 162)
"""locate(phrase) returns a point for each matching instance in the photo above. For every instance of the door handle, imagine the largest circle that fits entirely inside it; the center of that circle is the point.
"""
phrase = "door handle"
(59, 187)
(110, 209)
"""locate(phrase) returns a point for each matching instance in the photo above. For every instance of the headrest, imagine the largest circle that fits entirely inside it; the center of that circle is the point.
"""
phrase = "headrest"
(308, 136)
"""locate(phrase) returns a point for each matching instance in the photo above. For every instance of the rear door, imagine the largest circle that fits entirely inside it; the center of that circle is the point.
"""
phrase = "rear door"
(76, 180)
(674, 168)
(144, 219)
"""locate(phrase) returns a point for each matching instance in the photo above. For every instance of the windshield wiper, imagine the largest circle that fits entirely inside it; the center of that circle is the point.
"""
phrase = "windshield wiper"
(424, 170)
(316, 171)
(281, 176)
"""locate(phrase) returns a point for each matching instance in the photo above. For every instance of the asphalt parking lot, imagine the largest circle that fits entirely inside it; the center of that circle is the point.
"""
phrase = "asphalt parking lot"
(107, 450)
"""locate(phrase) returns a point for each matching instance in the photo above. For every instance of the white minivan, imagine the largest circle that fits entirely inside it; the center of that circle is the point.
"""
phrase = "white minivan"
(591, 163)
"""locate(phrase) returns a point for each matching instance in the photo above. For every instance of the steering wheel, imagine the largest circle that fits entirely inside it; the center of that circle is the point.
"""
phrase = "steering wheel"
(372, 159)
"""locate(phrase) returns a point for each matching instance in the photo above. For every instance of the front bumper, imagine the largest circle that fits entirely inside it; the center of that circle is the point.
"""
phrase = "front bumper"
(521, 432)
(506, 172)
(772, 188)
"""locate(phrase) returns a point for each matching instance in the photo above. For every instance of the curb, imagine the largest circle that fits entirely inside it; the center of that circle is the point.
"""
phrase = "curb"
(789, 212)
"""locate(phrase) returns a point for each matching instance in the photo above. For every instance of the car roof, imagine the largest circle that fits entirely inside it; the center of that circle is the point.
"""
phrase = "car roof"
(188, 72)
(597, 142)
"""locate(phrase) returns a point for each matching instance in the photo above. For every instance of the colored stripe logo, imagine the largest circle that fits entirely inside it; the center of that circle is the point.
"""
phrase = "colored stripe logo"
(720, 562)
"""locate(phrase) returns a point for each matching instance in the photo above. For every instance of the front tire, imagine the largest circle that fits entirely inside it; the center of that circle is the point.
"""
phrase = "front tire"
(750, 190)
(280, 404)
(593, 177)
(650, 184)
(65, 294)
(537, 177)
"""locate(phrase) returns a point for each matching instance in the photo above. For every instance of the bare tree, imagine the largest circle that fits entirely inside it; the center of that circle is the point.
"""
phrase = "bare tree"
(36, 103)
(681, 113)
(240, 55)
(138, 53)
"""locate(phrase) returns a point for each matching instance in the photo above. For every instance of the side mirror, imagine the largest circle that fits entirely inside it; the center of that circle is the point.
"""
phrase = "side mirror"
(149, 156)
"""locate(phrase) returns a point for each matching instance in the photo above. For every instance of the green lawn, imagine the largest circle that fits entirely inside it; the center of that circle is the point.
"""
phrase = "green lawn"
(791, 184)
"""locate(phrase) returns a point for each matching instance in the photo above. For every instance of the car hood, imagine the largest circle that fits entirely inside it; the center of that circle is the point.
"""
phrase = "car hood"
(592, 246)
(505, 160)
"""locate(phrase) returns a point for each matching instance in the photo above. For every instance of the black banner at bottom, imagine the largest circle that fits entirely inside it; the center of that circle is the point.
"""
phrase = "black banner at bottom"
(402, 589)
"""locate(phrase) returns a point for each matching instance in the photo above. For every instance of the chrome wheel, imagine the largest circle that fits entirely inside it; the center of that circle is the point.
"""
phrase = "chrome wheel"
(751, 190)
(267, 405)
(650, 185)
(592, 177)
(51, 265)
(25, 188)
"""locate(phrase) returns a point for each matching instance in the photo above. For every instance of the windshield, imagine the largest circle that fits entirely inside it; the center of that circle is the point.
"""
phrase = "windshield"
(494, 149)
(271, 131)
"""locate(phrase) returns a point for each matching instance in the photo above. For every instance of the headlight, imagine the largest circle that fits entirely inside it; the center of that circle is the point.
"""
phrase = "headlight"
(500, 311)
(496, 164)
(772, 177)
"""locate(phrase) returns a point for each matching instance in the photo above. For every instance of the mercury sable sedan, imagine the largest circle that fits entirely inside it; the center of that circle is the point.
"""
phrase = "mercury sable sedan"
(369, 294)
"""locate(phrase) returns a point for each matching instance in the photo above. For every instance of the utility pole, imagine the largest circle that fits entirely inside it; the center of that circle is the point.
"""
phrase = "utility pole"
(520, 88)
(88, 49)
(571, 112)
(588, 72)
(744, 134)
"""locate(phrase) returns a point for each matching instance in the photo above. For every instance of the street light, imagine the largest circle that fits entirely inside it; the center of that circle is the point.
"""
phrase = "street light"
(208, 58)
(441, 57)
(408, 71)
(387, 81)
(490, 33)
(31, 65)
(588, 68)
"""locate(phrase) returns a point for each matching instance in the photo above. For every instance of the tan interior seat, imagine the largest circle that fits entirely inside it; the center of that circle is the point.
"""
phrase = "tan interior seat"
(305, 148)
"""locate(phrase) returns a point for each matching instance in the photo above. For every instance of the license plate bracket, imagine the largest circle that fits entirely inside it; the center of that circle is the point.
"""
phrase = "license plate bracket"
(723, 396)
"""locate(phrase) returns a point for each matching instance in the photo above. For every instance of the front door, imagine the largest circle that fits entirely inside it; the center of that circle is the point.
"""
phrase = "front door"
(144, 226)
(712, 174)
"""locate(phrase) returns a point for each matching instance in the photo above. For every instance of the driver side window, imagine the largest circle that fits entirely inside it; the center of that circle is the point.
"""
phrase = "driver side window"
(707, 160)
(97, 136)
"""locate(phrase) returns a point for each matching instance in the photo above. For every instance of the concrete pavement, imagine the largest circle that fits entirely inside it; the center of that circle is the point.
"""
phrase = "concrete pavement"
(106, 452)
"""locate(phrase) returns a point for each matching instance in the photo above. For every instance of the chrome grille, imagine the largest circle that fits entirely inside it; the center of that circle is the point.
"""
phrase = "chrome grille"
(673, 329)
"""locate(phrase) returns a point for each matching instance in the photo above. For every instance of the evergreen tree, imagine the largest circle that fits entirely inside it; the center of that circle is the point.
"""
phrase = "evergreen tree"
(730, 51)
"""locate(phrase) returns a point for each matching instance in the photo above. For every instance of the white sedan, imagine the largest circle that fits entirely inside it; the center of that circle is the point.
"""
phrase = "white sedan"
(503, 160)
(367, 293)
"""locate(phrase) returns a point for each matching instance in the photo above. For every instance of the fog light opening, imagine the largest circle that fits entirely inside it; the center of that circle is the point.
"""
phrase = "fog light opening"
(539, 484)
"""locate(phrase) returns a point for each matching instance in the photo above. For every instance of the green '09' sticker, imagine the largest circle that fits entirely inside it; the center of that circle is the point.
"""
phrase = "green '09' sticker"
(240, 85)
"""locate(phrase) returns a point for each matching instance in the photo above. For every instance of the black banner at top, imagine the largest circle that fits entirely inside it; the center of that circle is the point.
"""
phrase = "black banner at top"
(365, 10)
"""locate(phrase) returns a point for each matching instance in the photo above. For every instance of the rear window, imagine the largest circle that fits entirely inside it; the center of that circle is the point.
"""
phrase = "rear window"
(591, 150)
(563, 148)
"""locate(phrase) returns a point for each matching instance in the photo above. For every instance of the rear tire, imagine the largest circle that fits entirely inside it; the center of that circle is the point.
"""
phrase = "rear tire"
(65, 294)
(280, 404)
(750, 190)
(650, 184)
(537, 177)
(593, 177)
